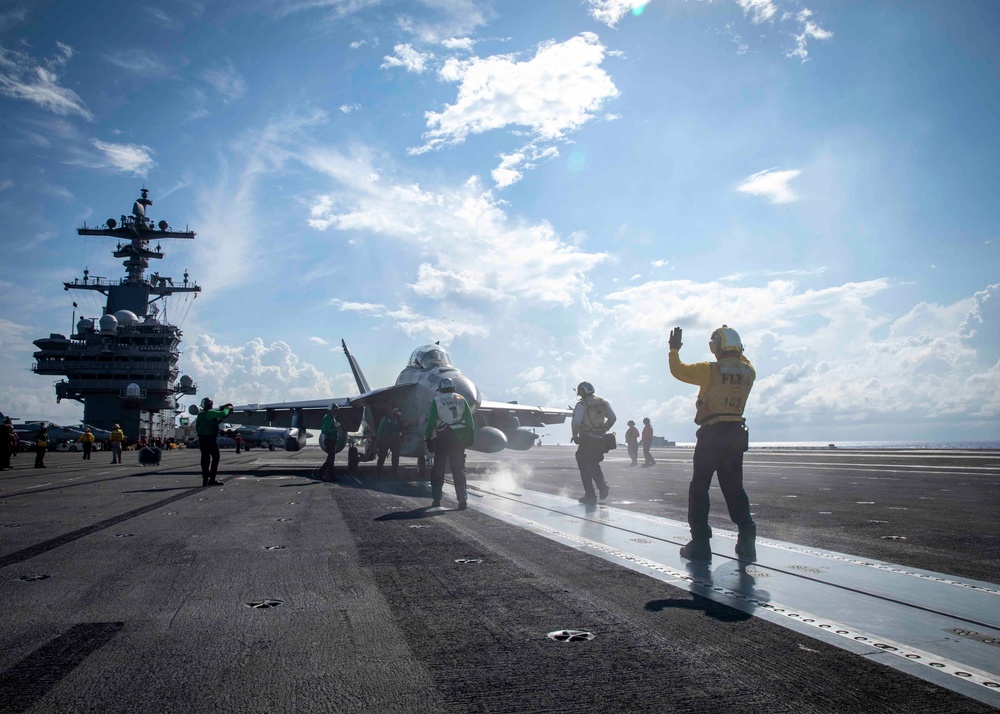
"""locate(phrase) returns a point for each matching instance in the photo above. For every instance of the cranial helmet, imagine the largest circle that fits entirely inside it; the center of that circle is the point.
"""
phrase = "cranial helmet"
(725, 339)
(207, 403)
(584, 388)
(334, 407)
(446, 385)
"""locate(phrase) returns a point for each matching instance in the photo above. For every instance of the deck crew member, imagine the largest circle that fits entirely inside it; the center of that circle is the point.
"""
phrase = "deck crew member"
(330, 434)
(450, 430)
(117, 439)
(647, 441)
(87, 440)
(206, 425)
(41, 446)
(722, 437)
(632, 442)
(7, 443)
(592, 417)
(389, 437)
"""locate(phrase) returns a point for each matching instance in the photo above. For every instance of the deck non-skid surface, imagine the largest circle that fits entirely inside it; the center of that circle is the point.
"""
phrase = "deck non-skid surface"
(131, 590)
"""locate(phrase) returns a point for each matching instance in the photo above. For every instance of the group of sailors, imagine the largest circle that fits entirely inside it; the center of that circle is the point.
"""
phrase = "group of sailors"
(722, 438)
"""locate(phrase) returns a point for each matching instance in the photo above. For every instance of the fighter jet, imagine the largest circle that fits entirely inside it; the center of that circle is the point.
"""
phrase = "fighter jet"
(261, 437)
(56, 433)
(499, 425)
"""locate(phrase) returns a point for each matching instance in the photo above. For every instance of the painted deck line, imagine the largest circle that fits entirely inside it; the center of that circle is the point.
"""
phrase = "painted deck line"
(934, 626)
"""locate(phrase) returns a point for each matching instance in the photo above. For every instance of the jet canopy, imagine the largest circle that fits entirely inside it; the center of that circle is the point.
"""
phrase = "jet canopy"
(429, 356)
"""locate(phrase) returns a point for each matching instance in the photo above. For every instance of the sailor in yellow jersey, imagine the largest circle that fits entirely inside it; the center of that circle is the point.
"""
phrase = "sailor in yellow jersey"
(722, 437)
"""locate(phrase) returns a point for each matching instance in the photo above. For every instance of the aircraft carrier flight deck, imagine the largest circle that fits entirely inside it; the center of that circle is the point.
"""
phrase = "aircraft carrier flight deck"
(134, 589)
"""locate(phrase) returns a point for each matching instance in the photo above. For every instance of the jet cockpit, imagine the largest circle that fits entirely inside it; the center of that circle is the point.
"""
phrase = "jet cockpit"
(429, 356)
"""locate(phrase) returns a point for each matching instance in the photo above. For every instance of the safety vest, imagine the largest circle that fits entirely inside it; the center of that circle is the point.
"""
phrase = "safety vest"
(725, 397)
(595, 413)
(451, 408)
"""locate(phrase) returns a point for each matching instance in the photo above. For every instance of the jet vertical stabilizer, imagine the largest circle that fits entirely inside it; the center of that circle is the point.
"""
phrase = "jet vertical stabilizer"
(356, 369)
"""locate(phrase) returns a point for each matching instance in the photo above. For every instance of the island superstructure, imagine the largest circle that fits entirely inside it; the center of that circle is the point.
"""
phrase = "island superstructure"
(123, 366)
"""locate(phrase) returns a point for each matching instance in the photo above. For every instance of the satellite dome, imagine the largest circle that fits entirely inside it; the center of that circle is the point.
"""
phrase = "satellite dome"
(186, 381)
(126, 317)
(133, 391)
(109, 325)
(84, 326)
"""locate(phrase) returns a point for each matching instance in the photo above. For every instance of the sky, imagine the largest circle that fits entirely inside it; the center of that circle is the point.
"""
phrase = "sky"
(546, 188)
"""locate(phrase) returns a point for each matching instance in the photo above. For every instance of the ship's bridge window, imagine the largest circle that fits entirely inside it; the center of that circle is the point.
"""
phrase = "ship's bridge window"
(429, 356)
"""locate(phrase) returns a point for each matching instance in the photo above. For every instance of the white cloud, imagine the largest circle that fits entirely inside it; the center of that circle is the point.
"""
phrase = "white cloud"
(512, 165)
(771, 184)
(318, 341)
(5, 184)
(140, 61)
(349, 108)
(810, 31)
(455, 18)
(358, 44)
(831, 363)
(472, 246)
(555, 92)
(408, 58)
(227, 81)
(414, 324)
(22, 77)
(458, 43)
(758, 10)
(134, 158)
(610, 12)
(980, 327)
(257, 373)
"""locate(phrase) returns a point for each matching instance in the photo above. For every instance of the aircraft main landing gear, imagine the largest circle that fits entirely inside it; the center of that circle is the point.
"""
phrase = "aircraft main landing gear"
(353, 459)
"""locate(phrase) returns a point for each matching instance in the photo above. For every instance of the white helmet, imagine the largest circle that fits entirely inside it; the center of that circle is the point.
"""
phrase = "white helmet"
(584, 388)
(725, 339)
(446, 385)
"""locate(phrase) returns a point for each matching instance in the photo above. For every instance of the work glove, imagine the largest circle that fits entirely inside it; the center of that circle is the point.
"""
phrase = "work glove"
(575, 439)
(675, 339)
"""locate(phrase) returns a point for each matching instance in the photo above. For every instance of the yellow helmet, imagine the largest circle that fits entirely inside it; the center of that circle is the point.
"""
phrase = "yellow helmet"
(725, 339)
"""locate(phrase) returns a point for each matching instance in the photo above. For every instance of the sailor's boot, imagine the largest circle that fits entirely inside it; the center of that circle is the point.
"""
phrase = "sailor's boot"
(746, 544)
(697, 549)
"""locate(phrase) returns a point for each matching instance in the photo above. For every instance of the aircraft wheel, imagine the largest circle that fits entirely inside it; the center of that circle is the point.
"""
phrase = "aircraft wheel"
(353, 459)
(73, 448)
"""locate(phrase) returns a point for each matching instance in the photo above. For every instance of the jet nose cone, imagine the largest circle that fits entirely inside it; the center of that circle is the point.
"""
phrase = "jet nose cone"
(465, 387)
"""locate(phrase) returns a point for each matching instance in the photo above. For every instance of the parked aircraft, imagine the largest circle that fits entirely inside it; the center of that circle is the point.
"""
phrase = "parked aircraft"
(499, 425)
(262, 437)
(56, 434)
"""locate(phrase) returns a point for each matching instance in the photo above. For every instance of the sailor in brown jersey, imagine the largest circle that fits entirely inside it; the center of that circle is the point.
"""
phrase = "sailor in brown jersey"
(722, 437)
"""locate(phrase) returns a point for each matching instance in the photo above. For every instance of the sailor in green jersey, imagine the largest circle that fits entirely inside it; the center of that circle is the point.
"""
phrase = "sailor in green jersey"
(449, 430)
(206, 425)
(329, 434)
(388, 438)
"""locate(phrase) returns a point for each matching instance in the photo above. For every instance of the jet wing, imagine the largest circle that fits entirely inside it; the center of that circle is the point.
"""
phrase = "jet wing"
(280, 413)
(350, 412)
(528, 416)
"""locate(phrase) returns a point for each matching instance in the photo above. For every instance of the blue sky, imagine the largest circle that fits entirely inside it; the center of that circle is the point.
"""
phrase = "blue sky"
(546, 188)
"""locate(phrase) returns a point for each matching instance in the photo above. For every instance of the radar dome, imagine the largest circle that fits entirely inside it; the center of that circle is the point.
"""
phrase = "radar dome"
(84, 326)
(133, 391)
(109, 325)
(126, 317)
(193, 410)
(186, 381)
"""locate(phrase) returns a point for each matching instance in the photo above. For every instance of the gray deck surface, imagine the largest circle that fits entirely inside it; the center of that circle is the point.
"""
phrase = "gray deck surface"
(388, 606)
